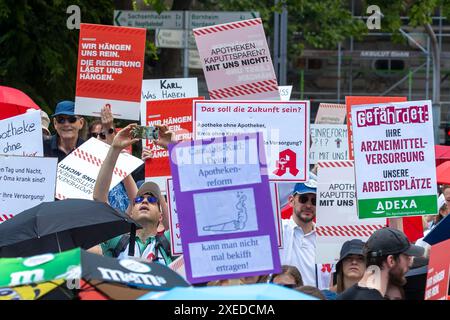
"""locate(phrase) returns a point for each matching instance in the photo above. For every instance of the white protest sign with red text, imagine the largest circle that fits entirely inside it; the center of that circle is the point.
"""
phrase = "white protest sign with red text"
(177, 115)
(110, 69)
(395, 169)
(236, 61)
(284, 124)
(78, 172)
(336, 215)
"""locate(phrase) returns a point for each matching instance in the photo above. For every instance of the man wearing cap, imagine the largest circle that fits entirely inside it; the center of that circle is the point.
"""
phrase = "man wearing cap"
(147, 206)
(67, 126)
(388, 258)
(299, 236)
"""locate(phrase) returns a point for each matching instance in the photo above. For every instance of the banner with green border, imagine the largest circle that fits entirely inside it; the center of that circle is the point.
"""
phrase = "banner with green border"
(397, 207)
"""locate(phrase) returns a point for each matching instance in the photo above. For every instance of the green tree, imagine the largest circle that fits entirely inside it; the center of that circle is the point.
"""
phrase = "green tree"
(38, 51)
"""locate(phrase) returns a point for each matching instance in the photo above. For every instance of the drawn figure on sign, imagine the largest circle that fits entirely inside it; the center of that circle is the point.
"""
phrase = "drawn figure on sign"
(233, 225)
(338, 142)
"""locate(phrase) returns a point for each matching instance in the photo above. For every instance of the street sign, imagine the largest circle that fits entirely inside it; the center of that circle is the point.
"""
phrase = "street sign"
(194, 60)
(198, 19)
(170, 38)
(149, 19)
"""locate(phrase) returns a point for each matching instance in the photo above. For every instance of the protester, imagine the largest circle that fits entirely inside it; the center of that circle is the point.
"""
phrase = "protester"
(388, 258)
(67, 126)
(45, 122)
(351, 265)
(299, 236)
(394, 292)
(312, 291)
(145, 205)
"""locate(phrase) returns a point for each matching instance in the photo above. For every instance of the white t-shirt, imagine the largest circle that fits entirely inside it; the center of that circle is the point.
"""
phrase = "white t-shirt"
(299, 250)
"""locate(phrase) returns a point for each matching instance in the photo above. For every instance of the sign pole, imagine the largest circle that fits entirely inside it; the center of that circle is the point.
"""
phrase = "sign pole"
(186, 45)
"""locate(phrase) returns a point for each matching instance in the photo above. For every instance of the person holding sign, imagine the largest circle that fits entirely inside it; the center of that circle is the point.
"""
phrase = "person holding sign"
(299, 236)
(147, 206)
(67, 126)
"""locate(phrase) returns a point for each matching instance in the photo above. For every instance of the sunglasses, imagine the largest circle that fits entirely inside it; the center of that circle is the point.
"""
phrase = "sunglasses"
(102, 135)
(71, 119)
(150, 199)
(304, 199)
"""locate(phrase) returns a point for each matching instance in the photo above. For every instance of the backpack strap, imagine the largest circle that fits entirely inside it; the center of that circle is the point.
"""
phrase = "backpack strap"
(121, 245)
(161, 241)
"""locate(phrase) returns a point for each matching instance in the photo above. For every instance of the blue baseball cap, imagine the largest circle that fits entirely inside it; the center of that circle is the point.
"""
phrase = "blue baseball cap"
(309, 186)
(65, 107)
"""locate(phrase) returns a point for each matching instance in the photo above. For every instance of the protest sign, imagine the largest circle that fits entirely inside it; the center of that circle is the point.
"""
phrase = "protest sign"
(22, 135)
(25, 182)
(357, 100)
(227, 226)
(438, 282)
(174, 225)
(394, 159)
(337, 218)
(177, 115)
(78, 172)
(330, 113)
(328, 142)
(285, 92)
(165, 89)
(110, 69)
(236, 61)
(285, 127)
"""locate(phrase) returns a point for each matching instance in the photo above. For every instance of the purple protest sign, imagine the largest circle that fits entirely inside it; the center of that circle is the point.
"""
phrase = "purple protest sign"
(224, 207)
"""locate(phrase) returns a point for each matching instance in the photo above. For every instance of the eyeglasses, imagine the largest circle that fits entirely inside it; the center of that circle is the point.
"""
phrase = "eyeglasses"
(102, 135)
(150, 199)
(71, 119)
(304, 199)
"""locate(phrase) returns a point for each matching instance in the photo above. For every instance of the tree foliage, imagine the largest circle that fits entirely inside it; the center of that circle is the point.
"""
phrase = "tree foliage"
(38, 51)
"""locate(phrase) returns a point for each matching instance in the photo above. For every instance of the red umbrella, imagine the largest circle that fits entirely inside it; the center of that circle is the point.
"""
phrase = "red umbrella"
(442, 154)
(14, 102)
(443, 173)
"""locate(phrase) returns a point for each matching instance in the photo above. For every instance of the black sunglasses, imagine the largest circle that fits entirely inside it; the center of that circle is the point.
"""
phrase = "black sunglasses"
(101, 134)
(304, 199)
(71, 119)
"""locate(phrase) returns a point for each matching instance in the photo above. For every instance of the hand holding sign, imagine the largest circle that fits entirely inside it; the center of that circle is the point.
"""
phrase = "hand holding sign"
(166, 136)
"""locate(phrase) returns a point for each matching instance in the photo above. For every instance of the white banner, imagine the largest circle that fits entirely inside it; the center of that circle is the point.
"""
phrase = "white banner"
(78, 172)
(25, 182)
(337, 218)
(328, 142)
(22, 135)
(166, 89)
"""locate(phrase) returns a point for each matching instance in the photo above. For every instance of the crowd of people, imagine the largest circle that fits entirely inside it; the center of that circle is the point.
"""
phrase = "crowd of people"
(374, 270)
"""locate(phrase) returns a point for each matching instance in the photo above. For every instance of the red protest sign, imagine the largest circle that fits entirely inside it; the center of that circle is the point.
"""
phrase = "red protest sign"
(177, 115)
(110, 69)
(438, 272)
(355, 100)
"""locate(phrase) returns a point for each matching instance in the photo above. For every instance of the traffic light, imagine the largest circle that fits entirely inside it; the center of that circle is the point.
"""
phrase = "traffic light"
(447, 136)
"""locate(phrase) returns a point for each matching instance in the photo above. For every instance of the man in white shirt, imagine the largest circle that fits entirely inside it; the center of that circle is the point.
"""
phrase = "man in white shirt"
(299, 237)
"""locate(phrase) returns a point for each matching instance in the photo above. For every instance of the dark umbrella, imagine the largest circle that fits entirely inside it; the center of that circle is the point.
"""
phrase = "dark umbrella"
(52, 227)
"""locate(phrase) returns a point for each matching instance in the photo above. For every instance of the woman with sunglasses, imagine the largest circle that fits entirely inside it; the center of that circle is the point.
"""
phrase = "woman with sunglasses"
(147, 205)
(68, 127)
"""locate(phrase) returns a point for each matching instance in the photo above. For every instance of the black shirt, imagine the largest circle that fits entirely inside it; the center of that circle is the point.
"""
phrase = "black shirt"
(360, 293)
(51, 148)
